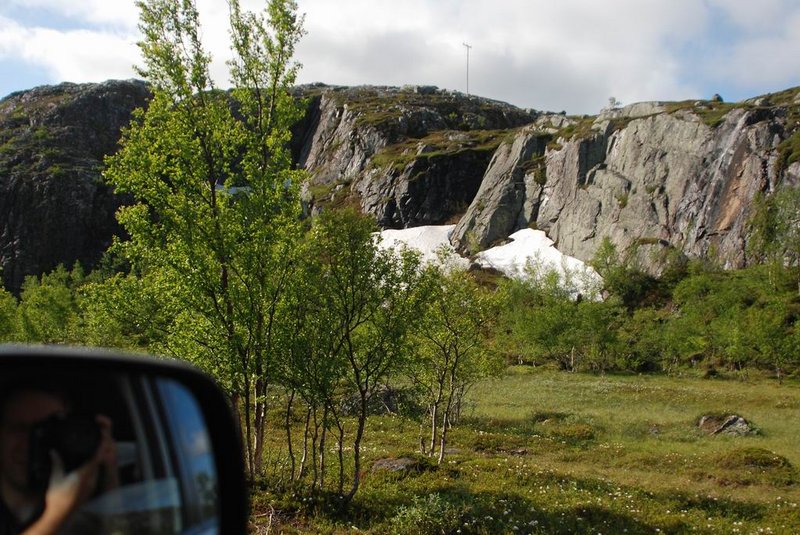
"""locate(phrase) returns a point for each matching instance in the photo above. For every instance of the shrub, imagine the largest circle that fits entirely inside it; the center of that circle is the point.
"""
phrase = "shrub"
(427, 515)
(753, 458)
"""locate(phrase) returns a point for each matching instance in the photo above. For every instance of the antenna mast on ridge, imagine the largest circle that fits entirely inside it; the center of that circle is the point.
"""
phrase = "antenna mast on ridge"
(467, 47)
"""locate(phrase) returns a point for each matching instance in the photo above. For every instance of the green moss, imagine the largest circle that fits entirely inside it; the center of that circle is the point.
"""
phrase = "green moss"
(789, 149)
(537, 166)
(783, 98)
(440, 143)
(621, 122)
(752, 457)
(382, 107)
(712, 113)
(788, 152)
(649, 240)
(580, 129)
(324, 191)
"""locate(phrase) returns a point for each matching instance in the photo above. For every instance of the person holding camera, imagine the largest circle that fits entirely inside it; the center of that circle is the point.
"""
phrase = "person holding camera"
(28, 416)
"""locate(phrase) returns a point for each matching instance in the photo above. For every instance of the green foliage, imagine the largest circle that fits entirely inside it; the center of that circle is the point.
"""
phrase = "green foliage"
(8, 313)
(128, 311)
(734, 319)
(349, 316)
(547, 318)
(622, 276)
(775, 231)
(48, 311)
(695, 315)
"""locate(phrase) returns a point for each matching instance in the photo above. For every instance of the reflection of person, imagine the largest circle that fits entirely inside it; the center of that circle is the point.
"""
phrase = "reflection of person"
(23, 509)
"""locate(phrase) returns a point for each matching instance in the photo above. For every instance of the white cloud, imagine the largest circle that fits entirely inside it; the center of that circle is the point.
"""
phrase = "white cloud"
(553, 55)
(72, 55)
(570, 54)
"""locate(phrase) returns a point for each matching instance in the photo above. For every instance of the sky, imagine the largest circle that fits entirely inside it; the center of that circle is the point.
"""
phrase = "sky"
(570, 55)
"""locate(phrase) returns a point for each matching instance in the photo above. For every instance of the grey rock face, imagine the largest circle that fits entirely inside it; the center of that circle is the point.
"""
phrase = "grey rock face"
(427, 191)
(337, 148)
(509, 194)
(653, 177)
(411, 156)
(54, 206)
(645, 178)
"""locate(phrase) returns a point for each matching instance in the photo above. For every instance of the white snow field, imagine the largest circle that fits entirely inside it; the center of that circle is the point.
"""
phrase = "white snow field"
(529, 253)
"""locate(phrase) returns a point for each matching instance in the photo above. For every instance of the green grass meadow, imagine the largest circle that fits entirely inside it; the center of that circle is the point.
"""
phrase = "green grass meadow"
(544, 451)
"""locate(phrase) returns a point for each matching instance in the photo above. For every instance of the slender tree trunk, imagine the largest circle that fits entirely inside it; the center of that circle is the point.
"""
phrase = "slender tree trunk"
(248, 423)
(340, 452)
(362, 420)
(434, 425)
(260, 423)
(314, 438)
(288, 428)
(443, 443)
(322, 449)
(435, 415)
(306, 434)
(448, 406)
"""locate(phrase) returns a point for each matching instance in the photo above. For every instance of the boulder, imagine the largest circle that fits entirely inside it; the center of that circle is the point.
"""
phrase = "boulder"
(730, 424)
(398, 465)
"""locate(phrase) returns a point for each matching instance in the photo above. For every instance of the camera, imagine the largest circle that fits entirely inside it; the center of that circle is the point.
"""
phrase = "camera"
(74, 438)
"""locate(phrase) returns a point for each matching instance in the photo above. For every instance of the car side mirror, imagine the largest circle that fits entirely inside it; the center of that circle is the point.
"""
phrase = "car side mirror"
(142, 445)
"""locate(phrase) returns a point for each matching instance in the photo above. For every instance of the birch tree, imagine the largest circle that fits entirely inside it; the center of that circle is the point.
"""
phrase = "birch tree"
(216, 204)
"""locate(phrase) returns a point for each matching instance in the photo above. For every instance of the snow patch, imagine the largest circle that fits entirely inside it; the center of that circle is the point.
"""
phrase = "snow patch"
(530, 253)
(431, 241)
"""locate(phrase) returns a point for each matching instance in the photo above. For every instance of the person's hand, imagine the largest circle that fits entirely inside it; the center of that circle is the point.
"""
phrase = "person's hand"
(67, 492)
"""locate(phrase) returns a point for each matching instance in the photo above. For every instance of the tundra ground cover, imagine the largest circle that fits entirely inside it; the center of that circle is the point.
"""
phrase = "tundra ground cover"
(544, 451)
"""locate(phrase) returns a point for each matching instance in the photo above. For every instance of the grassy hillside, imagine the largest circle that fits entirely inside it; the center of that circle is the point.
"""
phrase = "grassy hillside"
(543, 451)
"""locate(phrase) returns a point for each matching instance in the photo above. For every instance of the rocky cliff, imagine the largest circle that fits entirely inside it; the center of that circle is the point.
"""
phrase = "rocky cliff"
(656, 177)
(54, 207)
(409, 156)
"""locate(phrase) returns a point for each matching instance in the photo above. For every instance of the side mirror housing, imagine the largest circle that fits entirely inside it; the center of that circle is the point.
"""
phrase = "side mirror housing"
(168, 458)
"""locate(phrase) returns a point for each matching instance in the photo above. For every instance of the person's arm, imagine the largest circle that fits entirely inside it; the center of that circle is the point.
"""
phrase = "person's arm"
(64, 495)
(67, 492)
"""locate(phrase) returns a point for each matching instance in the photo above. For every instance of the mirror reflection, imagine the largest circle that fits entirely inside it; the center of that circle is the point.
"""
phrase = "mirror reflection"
(103, 453)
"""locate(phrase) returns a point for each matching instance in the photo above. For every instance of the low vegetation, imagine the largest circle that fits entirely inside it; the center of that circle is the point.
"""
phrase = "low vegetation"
(545, 451)
(445, 143)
